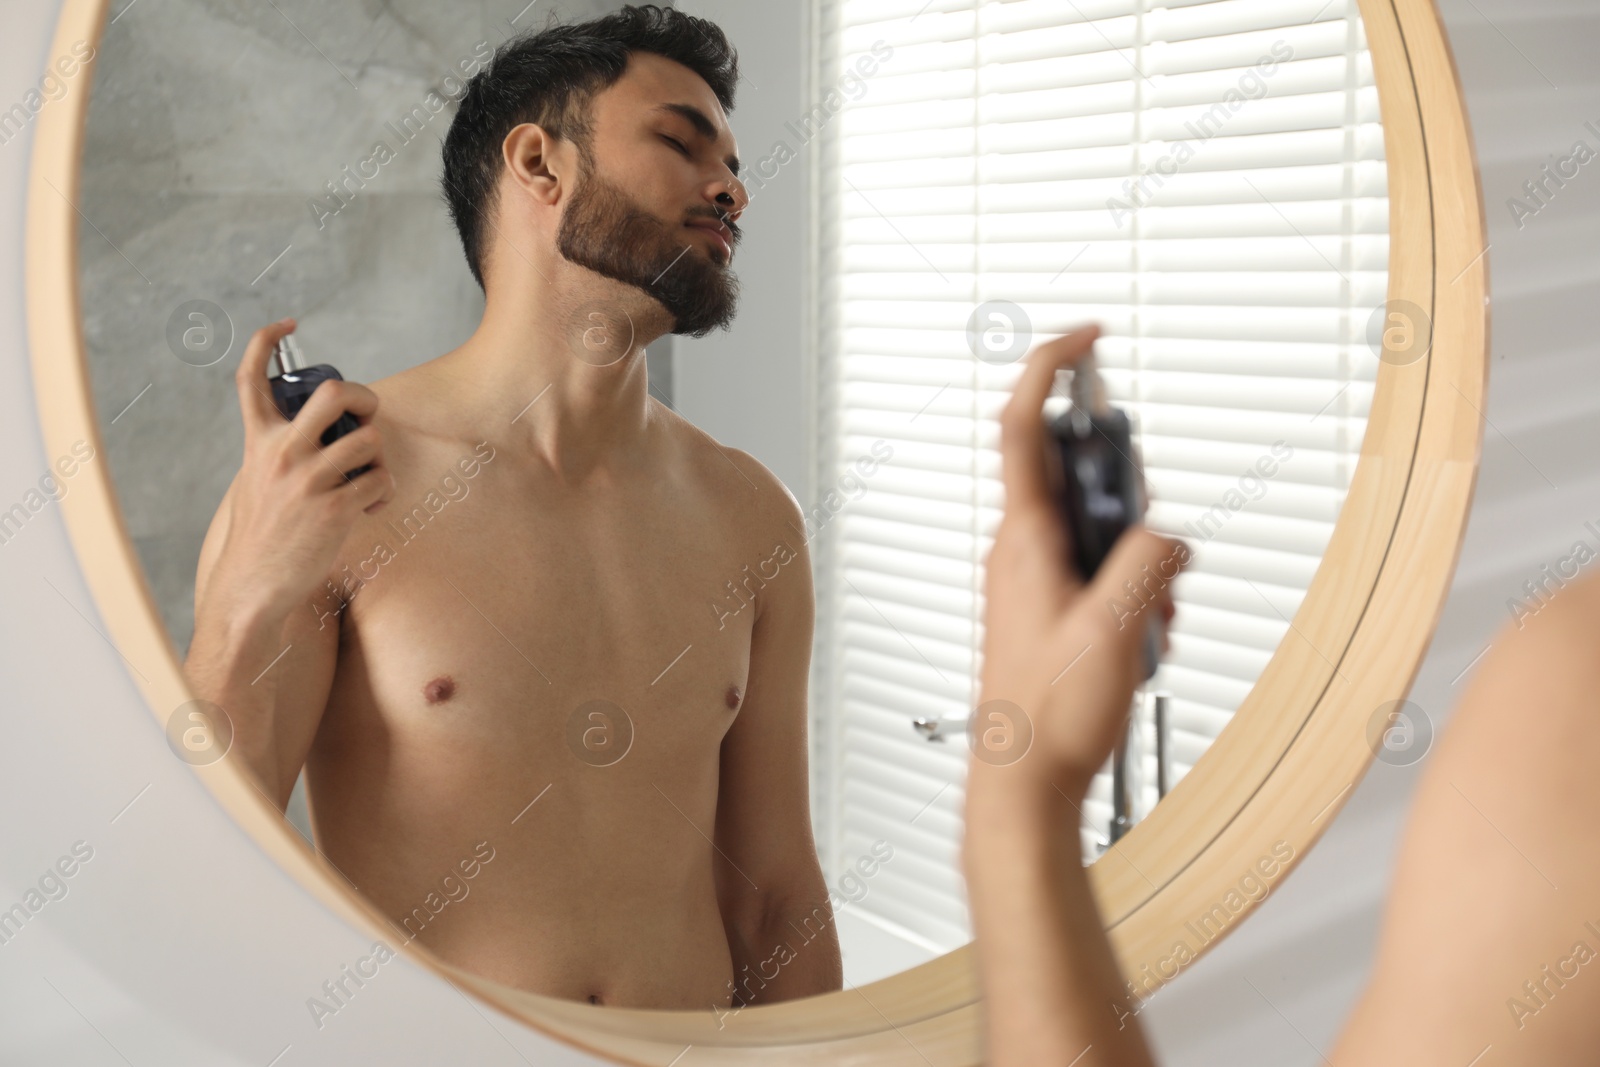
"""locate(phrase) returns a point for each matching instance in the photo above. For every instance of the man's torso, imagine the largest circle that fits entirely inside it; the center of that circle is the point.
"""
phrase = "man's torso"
(518, 762)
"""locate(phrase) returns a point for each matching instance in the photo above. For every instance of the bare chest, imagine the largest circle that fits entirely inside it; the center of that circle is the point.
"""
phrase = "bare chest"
(489, 621)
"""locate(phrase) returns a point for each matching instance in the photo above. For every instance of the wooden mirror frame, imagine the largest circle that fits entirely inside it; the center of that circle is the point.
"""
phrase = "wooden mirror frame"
(1274, 777)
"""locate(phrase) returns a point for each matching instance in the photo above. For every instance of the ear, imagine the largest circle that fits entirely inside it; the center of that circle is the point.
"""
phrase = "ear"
(536, 162)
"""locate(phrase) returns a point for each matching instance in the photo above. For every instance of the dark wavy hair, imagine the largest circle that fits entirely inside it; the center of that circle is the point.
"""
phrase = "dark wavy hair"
(550, 77)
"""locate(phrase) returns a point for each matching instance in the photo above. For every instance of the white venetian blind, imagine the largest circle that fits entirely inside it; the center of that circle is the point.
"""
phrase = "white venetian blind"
(1206, 180)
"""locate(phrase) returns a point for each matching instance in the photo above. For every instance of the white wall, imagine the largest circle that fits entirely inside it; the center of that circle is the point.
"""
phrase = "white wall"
(746, 386)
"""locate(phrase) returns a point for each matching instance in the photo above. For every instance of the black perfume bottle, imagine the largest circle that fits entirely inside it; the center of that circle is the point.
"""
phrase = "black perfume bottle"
(1100, 483)
(294, 385)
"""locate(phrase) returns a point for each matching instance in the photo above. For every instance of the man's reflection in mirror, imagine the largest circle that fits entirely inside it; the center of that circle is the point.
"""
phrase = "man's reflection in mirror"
(552, 718)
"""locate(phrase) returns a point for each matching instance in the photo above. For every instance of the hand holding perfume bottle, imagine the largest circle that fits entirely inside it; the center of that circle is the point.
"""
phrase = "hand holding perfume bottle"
(1099, 482)
(292, 505)
(1060, 661)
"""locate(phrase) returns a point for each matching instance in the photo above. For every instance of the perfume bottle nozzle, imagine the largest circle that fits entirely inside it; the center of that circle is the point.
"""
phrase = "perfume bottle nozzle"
(288, 357)
(1088, 389)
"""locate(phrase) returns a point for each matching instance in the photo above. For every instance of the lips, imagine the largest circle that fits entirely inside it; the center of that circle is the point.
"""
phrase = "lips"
(715, 231)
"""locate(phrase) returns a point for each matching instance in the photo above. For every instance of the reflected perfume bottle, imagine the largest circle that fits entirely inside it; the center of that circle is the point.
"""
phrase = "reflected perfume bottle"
(294, 385)
(1099, 481)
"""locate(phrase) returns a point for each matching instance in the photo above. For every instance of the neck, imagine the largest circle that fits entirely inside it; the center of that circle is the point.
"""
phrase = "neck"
(563, 380)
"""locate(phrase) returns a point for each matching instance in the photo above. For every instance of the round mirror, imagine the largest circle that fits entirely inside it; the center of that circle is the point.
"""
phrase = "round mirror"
(523, 772)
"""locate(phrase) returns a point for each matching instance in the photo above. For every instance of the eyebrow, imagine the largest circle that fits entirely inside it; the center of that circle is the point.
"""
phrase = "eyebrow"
(702, 125)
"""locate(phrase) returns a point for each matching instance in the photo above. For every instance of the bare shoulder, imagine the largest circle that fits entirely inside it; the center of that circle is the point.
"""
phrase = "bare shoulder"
(1530, 707)
(1492, 925)
(401, 406)
(745, 489)
(424, 435)
(1564, 623)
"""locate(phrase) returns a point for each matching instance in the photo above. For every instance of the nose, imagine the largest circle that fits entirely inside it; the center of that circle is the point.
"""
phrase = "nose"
(732, 199)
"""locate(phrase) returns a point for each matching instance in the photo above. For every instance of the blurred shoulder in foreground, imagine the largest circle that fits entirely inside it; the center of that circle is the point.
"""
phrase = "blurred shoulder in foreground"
(1491, 936)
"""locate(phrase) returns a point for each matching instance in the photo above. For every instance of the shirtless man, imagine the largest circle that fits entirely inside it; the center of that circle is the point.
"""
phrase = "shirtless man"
(552, 719)
(1492, 930)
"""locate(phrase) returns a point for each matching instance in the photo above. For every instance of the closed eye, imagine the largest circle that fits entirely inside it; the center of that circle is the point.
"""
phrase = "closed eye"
(676, 144)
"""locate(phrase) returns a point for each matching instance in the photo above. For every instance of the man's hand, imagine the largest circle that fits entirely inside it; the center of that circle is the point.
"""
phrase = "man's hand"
(1053, 647)
(291, 506)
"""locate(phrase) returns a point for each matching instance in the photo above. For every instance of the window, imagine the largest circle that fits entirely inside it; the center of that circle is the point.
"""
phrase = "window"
(1207, 181)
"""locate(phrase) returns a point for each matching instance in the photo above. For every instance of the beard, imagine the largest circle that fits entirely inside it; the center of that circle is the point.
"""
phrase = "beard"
(606, 232)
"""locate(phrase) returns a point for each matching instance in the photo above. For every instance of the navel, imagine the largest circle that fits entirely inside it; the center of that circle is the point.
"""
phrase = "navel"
(733, 696)
(440, 689)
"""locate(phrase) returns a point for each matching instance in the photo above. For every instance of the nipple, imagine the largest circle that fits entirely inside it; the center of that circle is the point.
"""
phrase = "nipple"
(733, 696)
(440, 689)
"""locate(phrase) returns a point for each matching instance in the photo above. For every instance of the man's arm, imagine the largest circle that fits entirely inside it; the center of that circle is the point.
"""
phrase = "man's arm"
(1052, 990)
(770, 887)
(260, 651)
(272, 677)
(1491, 937)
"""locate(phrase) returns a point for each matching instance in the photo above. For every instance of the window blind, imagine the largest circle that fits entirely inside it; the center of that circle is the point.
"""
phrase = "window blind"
(1083, 160)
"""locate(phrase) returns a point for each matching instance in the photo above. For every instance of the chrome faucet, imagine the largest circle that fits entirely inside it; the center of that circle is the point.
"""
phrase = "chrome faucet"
(1126, 764)
(933, 729)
